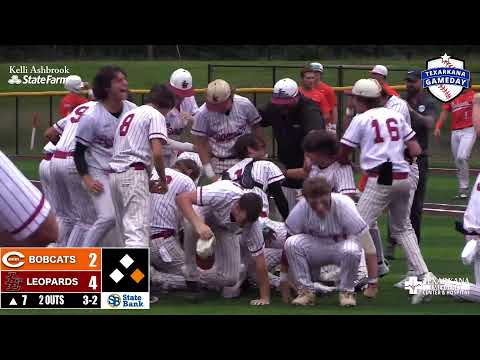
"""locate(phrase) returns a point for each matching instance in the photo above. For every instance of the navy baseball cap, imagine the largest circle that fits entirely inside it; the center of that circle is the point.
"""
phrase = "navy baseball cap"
(414, 75)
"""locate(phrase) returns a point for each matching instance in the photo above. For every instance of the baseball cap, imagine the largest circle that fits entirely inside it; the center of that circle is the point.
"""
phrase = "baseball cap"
(380, 69)
(315, 66)
(414, 74)
(181, 83)
(285, 92)
(73, 83)
(369, 88)
(218, 92)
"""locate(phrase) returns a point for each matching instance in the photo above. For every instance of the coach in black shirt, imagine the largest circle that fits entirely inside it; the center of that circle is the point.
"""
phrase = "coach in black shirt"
(422, 113)
(291, 116)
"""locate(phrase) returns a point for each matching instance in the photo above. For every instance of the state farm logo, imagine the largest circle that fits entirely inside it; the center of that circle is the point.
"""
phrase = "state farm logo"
(43, 75)
(13, 259)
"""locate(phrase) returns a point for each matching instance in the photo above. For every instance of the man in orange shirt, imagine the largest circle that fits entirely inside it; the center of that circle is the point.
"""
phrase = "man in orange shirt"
(328, 92)
(379, 73)
(308, 90)
(463, 135)
(74, 84)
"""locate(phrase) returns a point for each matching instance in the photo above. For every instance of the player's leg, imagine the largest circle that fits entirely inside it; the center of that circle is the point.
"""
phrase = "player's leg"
(348, 257)
(455, 144)
(104, 208)
(419, 198)
(167, 260)
(465, 146)
(45, 180)
(272, 259)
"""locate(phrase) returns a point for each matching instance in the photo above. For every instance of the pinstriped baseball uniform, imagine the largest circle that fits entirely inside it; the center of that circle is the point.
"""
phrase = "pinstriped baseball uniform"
(73, 207)
(130, 185)
(339, 177)
(44, 173)
(23, 208)
(215, 203)
(223, 130)
(97, 131)
(176, 125)
(399, 105)
(263, 172)
(381, 134)
(471, 218)
(166, 253)
(320, 241)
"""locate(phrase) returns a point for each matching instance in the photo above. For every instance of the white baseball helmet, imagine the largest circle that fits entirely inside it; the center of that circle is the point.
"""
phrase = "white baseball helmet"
(369, 88)
(181, 83)
(285, 92)
(380, 70)
(73, 83)
(218, 92)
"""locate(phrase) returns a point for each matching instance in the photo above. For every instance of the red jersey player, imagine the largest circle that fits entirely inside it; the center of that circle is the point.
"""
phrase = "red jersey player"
(74, 84)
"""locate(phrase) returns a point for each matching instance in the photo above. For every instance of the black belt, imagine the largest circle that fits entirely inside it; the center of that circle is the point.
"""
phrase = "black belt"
(164, 234)
(225, 158)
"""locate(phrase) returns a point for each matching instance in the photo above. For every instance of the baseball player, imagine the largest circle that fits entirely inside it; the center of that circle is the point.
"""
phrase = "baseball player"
(167, 255)
(463, 136)
(326, 229)
(182, 113)
(329, 94)
(380, 73)
(73, 206)
(226, 208)
(383, 135)
(219, 123)
(44, 173)
(309, 90)
(94, 147)
(26, 218)
(138, 141)
(73, 84)
(254, 174)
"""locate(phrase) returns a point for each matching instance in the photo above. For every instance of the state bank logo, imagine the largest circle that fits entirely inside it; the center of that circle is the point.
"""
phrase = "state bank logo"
(445, 77)
(114, 300)
(13, 259)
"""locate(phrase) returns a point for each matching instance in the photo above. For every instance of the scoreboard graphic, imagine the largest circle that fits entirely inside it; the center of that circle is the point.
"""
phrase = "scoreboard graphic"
(74, 278)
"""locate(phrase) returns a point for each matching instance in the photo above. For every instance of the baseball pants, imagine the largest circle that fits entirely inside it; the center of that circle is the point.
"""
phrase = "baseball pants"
(226, 269)
(105, 210)
(46, 181)
(416, 210)
(131, 199)
(291, 195)
(307, 254)
(462, 290)
(471, 218)
(167, 258)
(65, 213)
(462, 142)
(376, 198)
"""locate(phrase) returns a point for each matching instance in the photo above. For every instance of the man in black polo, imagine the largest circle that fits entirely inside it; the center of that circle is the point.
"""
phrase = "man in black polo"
(423, 112)
(291, 116)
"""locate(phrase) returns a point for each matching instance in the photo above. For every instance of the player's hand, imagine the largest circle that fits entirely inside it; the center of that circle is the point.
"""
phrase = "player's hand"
(92, 185)
(307, 164)
(157, 187)
(204, 231)
(371, 291)
(436, 132)
(187, 118)
(162, 186)
(260, 302)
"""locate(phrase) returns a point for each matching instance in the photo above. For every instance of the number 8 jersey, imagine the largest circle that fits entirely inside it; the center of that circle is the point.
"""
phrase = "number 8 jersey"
(131, 143)
(381, 134)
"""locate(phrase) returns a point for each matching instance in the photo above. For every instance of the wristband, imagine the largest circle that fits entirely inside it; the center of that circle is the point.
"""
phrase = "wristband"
(208, 170)
(283, 277)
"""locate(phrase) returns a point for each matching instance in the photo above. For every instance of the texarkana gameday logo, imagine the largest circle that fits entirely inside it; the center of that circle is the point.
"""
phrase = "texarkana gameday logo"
(445, 77)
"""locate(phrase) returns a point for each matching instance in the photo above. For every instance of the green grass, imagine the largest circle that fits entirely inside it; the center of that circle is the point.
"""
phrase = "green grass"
(441, 249)
(142, 74)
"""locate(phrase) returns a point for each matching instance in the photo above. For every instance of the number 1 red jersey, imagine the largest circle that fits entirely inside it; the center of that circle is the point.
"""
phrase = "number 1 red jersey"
(461, 109)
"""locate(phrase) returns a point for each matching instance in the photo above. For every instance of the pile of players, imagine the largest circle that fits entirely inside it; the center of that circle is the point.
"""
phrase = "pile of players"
(118, 174)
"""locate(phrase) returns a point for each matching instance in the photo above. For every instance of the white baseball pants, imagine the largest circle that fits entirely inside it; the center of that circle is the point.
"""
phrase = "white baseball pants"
(46, 181)
(462, 142)
(167, 258)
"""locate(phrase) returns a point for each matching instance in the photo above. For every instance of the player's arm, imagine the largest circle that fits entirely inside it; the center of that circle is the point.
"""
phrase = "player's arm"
(53, 133)
(325, 109)
(424, 120)
(159, 163)
(350, 141)
(91, 184)
(263, 281)
(440, 121)
(182, 146)
(185, 202)
(254, 121)
(203, 148)
(257, 130)
(476, 113)
(275, 190)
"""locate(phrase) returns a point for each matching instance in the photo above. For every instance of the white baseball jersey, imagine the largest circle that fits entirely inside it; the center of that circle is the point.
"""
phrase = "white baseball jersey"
(342, 220)
(263, 172)
(192, 156)
(398, 104)
(381, 134)
(132, 137)
(59, 126)
(339, 177)
(23, 207)
(164, 210)
(70, 125)
(97, 130)
(49, 148)
(223, 130)
(220, 197)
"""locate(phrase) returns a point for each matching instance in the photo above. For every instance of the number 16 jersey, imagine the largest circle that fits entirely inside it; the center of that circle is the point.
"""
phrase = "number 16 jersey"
(381, 135)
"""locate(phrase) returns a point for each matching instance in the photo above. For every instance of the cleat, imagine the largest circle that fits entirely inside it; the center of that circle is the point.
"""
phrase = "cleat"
(305, 298)
(347, 299)
(383, 269)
